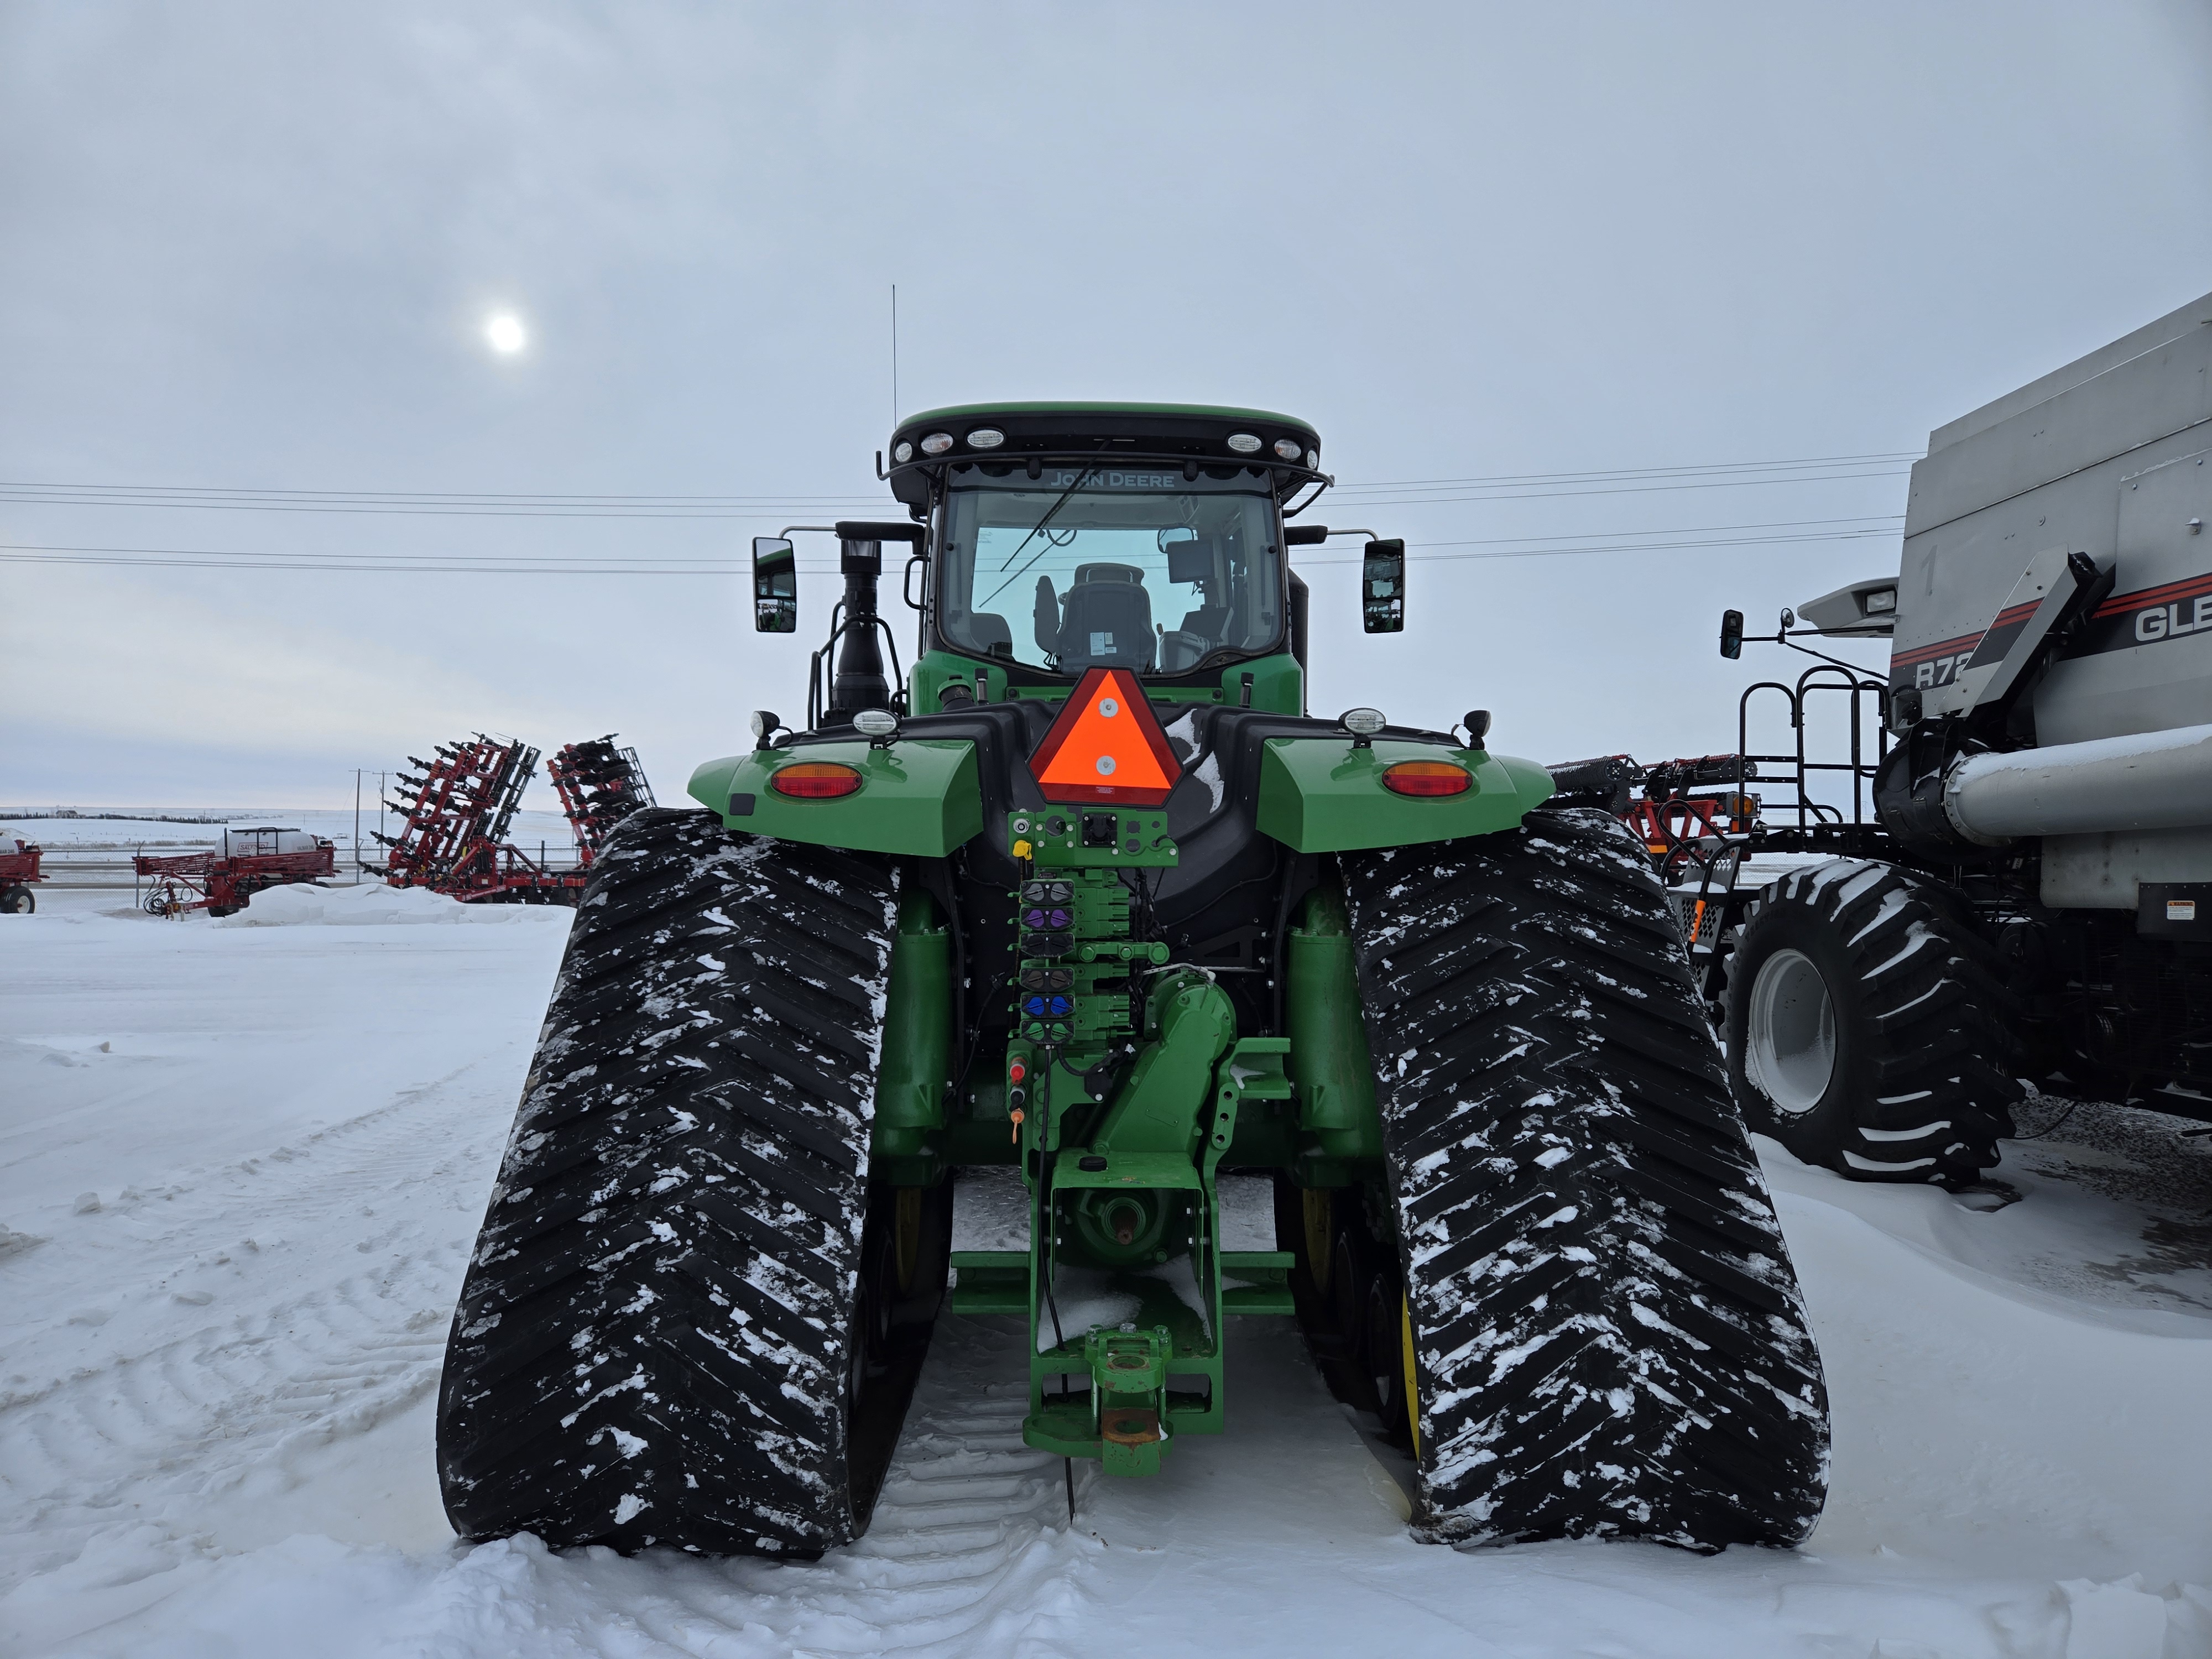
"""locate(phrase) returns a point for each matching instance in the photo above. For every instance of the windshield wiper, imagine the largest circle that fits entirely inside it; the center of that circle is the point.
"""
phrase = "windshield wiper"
(1034, 530)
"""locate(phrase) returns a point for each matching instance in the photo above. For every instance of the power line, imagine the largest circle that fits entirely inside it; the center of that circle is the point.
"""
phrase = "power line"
(1512, 486)
(1524, 552)
(1610, 473)
(763, 512)
(1806, 531)
(1873, 523)
(515, 564)
(1377, 500)
(417, 494)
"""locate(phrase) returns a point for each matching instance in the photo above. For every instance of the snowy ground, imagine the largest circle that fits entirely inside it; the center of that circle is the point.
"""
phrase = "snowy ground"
(240, 1166)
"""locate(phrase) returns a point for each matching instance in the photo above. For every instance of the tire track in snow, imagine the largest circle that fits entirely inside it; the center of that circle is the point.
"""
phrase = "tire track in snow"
(321, 1335)
(970, 1549)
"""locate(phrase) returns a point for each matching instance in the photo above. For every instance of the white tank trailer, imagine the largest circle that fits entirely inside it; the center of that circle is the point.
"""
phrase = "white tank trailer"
(2037, 900)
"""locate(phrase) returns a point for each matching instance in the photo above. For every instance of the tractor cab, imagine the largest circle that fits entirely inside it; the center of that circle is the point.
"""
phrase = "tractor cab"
(1049, 539)
(1068, 537)
(1093, 567)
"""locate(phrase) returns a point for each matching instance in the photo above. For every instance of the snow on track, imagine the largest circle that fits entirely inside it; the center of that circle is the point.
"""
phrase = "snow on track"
(249, 1163)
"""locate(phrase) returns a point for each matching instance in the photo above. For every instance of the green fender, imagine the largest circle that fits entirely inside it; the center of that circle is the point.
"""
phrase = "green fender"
(918, 797)
(1325, 795)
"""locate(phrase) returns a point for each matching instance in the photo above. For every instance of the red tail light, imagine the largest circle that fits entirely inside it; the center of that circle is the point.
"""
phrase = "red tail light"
(815, 781)
(1427, 778)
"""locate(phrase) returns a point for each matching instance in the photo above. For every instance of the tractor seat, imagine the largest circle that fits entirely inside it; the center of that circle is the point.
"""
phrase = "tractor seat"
(1105, 619)
(1109, 572)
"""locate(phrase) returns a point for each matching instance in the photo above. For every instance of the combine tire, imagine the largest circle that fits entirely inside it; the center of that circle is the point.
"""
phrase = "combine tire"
(678, 1326)
(1607, 1335)
(1869, 1031)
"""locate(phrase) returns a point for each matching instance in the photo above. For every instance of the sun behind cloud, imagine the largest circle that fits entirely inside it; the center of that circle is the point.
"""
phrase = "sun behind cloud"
(506, 334)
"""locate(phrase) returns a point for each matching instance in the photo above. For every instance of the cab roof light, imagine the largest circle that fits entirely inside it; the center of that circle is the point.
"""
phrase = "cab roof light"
(1427, 779)
(1289, 448)
(937, 443)
(816, 780)
(986, 437)
(1244, 443)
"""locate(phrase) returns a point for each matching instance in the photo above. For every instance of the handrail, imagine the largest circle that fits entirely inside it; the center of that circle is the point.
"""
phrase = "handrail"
(1827, 677)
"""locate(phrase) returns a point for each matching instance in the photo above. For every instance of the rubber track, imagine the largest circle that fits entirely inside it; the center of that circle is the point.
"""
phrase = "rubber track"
(1946, 1019)
(651, 1340)
(1609, 1338)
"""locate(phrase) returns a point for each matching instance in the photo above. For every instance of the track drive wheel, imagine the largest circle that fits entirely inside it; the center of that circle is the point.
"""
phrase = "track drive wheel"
(1868, 1029)
(688, 1320)
(1606, 1333)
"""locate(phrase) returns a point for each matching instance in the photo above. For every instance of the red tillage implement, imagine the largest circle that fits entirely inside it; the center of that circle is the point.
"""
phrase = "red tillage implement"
(599, 786)
(19, 868)
(460, 807)
(222, 880)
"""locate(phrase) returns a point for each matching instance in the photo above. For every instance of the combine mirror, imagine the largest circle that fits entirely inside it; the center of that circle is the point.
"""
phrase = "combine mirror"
(1383, 588)
(1731, 634)
(775, 585)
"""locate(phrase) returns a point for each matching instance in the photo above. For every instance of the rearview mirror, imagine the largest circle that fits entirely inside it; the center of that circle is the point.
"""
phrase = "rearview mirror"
(1731, 634)
(1383, 588)
(775, 585)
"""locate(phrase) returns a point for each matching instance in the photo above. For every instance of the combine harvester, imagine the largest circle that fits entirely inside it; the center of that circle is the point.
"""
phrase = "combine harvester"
(1092, 898)
(460, 806)
(2031, 893)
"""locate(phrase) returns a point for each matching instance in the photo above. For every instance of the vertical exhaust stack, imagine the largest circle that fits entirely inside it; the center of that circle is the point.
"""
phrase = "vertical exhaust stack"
(857, 678)
(858, 682)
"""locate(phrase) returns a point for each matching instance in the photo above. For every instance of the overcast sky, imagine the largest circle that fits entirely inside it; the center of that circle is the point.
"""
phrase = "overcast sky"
(256, 247)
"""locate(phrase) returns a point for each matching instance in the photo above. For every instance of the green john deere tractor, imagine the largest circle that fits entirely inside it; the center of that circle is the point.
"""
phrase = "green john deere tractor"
(1092, 898)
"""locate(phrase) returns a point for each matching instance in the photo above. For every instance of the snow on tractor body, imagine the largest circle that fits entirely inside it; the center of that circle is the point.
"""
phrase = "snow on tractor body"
(2022, 886)
(1086, 894)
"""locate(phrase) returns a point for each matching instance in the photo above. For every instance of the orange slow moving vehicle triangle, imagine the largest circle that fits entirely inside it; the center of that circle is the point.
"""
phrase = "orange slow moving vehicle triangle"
(1106, 747)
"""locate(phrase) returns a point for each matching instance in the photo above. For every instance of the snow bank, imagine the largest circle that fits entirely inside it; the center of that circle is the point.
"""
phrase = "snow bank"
(375, 905)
